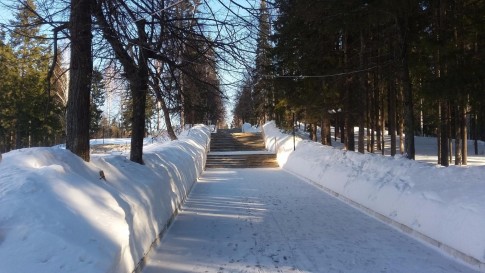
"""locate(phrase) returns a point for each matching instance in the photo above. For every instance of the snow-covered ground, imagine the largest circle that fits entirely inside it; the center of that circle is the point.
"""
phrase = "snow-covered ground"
(248, 128)
(267, 220)
(426, 147)
(444, 206)
(58, 215)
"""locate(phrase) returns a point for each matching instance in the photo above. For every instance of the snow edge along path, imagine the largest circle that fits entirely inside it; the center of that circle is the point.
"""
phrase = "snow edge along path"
(441, 206)
(58, 215)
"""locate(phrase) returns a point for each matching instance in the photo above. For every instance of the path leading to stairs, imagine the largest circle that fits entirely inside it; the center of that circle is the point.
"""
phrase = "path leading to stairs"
(267, 220)
(234, 149)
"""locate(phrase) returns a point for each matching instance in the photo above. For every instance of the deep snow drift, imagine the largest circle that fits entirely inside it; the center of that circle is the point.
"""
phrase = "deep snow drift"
(58, 215)
(442, 205)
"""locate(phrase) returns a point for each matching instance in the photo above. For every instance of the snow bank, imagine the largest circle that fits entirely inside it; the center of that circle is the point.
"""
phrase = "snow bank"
(444, 206)
(248, 128)
(58, 215)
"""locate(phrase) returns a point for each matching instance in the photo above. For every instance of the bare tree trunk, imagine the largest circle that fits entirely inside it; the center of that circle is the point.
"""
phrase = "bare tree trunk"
(326, 135)
(377, 113)
(475, 134)
(362, 91)
(444, 135)
(372, 121)
(392, 114)
(337, 126)
(315, 131)
(361, 144)
(77, 140)
(458, 134)
(383, 126)
(400, 122)
(408, 90)
(343, 133)
(368, 117)
(450, 135)
(139, 88)
(464, 136)
(438, 134)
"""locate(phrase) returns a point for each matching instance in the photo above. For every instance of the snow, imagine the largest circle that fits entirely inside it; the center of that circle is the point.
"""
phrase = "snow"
(267, 220)
(58, 215)
(248, 128)
(242, 153)
(444, 206)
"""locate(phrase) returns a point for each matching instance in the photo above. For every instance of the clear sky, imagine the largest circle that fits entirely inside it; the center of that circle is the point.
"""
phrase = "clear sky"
(5, 15)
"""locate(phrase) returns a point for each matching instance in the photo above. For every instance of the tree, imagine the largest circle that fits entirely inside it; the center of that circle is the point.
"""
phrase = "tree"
(81, 68)
(243, 111)
(7, 77)
(33, 117)
(263, 92)
(97, 99)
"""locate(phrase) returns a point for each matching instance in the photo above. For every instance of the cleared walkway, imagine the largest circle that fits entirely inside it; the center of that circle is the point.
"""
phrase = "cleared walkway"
(267, 220)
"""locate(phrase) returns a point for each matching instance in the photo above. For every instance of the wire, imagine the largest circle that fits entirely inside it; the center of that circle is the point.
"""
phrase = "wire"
(322, 76)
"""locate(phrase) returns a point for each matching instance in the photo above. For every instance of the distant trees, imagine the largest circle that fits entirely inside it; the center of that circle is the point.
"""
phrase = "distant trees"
(169, 52)
(97, 99)
(156, 41)
(29, 113)
(388, 67)
(244, 109)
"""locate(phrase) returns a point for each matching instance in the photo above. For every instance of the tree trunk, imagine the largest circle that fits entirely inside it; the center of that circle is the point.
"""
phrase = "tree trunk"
(368, 119)
(458, 134)
(408, 90)
(361, 96)
(337, 126)
(464, 136)
(400, 121)
(475, 134)
(450, 135)
(377, 112)
(342, 128)
(438, 134)
(78, 118)
(325, 130)
(392, 114)
(361, 144)
(444, 135)
(139, 88)
(383, 126)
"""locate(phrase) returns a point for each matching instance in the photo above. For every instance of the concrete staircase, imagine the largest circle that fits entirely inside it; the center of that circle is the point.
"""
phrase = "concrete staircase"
(233, 149)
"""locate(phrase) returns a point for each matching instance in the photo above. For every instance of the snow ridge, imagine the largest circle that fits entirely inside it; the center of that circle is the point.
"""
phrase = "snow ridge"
(442, 206)
(58, 215)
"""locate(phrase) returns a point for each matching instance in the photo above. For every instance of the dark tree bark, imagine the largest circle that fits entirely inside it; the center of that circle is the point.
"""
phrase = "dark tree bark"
(408, 90)
(81, 68)
(383, 125)
(325, 127)
(392, 114)
(139, 89)
(362, 95)
(464, 136)
(377, 111)
(458, 135)
(444, 120)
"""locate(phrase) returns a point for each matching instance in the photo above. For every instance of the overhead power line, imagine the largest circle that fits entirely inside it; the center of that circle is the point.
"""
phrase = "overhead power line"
(327, 75)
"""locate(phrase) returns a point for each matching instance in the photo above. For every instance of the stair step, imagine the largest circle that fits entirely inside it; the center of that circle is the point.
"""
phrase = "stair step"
(231, 141)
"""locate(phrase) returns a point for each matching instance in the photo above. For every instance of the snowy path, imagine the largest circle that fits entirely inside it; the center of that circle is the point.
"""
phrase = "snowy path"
(267, 220)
